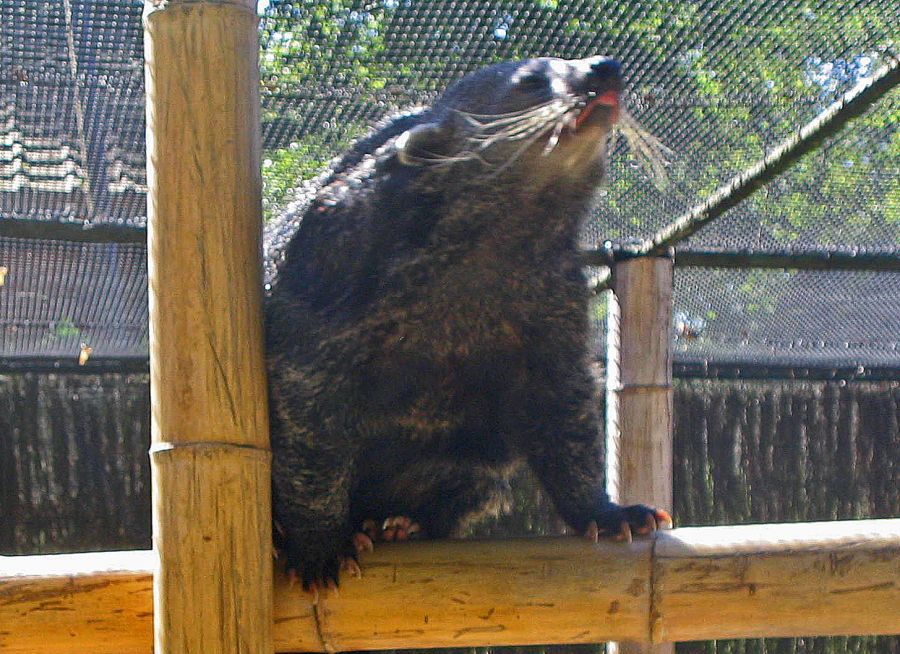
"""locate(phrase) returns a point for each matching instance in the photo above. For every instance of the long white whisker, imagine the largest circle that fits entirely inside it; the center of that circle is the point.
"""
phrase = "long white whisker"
(650, 152)
(515, 155)
(554, 137)
(510, 114)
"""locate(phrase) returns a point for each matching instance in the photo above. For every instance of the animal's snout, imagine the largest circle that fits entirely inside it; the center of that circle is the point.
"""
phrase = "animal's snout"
(600, 83)
(604, 68)
(597, 75)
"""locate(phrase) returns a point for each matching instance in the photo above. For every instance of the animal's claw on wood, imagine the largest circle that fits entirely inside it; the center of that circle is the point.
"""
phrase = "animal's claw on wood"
(370, 529)
(624, 534)
(663, 519)
(400, 528)
(394, 529)
(649, 525)
(362, 542)
(621, 523)
(351, 567)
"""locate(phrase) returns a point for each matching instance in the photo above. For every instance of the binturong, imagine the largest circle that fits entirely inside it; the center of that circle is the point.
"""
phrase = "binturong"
(427, 326)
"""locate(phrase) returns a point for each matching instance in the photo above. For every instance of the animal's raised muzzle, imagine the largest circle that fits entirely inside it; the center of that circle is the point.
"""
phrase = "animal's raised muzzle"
(606, 69)
(600, 84)
(598, 75)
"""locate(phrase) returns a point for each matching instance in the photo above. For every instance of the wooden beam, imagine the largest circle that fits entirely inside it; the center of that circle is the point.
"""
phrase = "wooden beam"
(210, 460)
(823, 579)
(828, 578)
(639, 394)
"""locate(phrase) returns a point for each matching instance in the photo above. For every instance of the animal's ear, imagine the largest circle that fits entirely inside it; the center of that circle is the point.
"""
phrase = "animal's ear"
(423, 143)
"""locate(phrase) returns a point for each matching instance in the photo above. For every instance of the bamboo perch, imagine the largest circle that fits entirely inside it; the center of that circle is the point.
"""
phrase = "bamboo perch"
(639, 383)
(828, 578)
(209, 456)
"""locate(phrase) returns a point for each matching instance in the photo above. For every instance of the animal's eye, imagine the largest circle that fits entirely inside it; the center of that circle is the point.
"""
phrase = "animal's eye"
(532, 82)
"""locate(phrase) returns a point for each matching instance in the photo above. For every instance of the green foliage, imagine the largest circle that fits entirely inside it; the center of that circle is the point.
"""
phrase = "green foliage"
(304, 41)
(284, 168)
(741, 76)
(721, 83)
(64, 329)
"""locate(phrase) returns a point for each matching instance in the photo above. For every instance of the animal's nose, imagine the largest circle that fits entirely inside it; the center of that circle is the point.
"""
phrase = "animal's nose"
(597, 75)
(606, 68)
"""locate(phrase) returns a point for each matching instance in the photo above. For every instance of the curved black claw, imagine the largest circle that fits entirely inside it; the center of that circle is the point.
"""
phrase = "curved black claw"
(620, 522)
(317, 560)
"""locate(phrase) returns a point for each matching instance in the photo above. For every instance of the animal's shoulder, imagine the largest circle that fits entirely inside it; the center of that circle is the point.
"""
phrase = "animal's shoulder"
(384, 131)
(329, 187)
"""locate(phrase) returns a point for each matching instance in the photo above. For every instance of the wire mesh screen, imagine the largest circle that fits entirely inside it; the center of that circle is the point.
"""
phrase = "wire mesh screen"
(770, 319)
(717, 82)
(785, 317)
(72, 112)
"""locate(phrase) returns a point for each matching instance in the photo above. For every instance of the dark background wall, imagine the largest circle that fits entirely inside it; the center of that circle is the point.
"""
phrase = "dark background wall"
(74, 472)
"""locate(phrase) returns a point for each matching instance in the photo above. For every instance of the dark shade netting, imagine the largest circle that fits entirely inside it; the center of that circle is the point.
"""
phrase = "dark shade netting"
(719, 83)
(58, 296)
(786, 317)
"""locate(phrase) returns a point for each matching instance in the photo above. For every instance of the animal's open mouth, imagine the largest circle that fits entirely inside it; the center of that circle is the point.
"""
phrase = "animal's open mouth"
(609, 100)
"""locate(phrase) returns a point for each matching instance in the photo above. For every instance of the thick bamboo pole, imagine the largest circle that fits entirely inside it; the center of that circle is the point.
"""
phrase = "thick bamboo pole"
(209, 453)
(829, 578)
(639, 392)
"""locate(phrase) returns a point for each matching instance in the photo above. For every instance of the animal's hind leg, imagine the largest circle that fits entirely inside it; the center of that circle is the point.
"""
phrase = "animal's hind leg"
(443, 496)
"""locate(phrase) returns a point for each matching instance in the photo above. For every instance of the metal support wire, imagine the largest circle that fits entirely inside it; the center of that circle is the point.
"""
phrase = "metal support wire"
(73, 232)
(70, 366)
(810, 136)
(858, 260)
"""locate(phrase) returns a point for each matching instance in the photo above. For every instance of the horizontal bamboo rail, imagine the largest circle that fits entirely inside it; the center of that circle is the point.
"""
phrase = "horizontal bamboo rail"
(828, 578)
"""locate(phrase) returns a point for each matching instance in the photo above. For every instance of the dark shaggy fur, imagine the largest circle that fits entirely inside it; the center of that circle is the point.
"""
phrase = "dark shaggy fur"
(427, 328)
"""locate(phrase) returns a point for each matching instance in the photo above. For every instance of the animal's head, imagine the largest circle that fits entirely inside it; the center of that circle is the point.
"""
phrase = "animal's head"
(542, 119)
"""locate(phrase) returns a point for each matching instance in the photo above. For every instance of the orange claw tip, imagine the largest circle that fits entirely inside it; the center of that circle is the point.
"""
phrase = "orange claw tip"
(649, 526)
(663, 519)
(592, 533)
(362, 543)
(370, 528)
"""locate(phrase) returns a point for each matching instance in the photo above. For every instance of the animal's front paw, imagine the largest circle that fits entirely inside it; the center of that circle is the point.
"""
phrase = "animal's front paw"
(619, 522)
(317, 560)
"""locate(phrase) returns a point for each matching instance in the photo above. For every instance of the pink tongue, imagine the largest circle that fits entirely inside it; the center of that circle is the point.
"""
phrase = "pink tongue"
(609, 99)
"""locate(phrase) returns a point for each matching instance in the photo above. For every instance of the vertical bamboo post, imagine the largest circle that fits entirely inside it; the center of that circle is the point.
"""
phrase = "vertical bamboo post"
(639, 393)
(209, 455)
